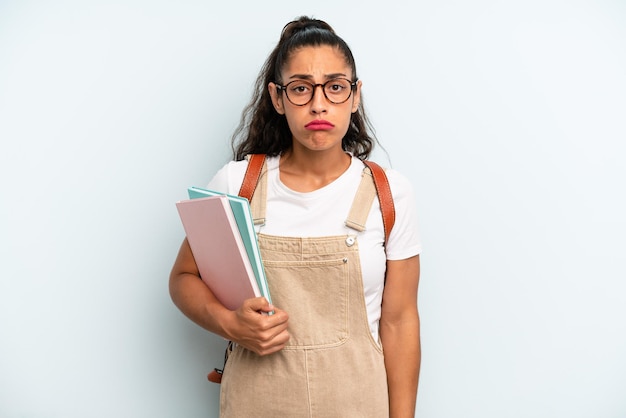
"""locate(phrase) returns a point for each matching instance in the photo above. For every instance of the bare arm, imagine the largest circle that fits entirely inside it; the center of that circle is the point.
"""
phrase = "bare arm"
(400, 335)
(247, 326)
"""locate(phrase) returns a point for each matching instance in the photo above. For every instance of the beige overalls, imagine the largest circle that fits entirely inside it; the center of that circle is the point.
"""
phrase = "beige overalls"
(331, 366)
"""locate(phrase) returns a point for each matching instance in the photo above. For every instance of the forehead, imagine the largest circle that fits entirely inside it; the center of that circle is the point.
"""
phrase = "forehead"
(316, 61)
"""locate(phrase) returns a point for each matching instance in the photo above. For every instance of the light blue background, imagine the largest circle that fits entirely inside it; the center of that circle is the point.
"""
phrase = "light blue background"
(508, 117)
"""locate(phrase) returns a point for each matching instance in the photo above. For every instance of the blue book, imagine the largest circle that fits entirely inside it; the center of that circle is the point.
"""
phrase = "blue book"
(243, 216)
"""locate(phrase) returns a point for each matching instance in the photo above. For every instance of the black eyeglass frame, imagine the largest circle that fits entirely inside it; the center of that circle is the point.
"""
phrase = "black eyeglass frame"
(314, 87)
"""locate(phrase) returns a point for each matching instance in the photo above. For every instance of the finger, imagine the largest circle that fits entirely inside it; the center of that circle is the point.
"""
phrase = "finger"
(276, 344)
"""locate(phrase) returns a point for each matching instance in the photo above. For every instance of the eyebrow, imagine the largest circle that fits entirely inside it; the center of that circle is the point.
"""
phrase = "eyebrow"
(310, 77)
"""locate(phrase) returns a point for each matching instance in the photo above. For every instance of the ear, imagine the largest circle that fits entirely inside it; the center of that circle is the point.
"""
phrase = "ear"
(277, 98)
(357, 96)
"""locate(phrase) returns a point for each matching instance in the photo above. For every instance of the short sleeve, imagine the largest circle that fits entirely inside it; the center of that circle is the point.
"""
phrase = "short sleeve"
(228, 178)
(404, 241)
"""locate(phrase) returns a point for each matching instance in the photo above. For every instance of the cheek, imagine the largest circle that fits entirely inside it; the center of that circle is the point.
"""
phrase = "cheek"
(293, 119)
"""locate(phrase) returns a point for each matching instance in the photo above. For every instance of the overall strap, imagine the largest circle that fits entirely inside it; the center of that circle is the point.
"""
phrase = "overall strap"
(362, 202)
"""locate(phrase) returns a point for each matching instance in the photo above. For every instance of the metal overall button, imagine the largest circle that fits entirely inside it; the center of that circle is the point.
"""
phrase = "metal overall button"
(350, 241)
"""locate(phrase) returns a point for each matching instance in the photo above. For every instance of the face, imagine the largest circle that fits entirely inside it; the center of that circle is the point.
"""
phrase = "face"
(319, 125)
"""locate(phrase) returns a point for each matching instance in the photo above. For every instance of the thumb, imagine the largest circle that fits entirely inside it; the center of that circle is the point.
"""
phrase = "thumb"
(260, 304)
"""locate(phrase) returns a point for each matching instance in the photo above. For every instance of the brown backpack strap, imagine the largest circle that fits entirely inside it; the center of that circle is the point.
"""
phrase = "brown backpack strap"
(385, 198)
(251, 178)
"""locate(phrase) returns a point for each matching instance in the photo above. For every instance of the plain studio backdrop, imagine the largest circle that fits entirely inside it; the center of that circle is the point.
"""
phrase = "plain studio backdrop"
(507, 116)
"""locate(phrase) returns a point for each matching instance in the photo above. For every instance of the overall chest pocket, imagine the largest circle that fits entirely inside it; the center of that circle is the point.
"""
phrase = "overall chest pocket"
(315, 294)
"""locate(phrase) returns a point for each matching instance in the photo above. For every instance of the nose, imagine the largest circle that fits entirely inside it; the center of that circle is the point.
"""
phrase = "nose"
(319, 102)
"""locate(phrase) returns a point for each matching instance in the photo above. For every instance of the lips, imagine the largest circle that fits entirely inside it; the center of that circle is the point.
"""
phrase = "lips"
(319, 125)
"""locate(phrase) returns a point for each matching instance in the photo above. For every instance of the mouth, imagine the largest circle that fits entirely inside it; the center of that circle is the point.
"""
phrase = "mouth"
(319, 125)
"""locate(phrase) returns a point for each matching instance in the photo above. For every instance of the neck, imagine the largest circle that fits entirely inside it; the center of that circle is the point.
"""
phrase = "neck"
(309, 171)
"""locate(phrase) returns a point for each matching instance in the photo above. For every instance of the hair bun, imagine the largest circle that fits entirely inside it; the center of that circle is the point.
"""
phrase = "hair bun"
(303, 23)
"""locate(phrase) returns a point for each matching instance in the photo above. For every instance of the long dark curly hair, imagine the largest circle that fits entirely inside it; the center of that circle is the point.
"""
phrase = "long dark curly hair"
(262, 130)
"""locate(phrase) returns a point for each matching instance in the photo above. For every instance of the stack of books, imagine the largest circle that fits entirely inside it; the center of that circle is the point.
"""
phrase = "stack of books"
(220, 231)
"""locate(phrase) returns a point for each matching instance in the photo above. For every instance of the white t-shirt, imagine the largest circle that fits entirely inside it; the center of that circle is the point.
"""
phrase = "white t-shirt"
(323, 212)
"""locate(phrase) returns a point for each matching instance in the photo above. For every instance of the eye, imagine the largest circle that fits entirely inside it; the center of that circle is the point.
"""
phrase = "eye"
(299, 87)
(337, 86)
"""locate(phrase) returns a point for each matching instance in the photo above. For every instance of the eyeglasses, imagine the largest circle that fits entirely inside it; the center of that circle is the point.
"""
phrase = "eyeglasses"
(301, 92)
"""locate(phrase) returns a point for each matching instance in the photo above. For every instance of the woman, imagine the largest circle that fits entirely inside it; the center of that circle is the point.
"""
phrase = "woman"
(342, 294)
